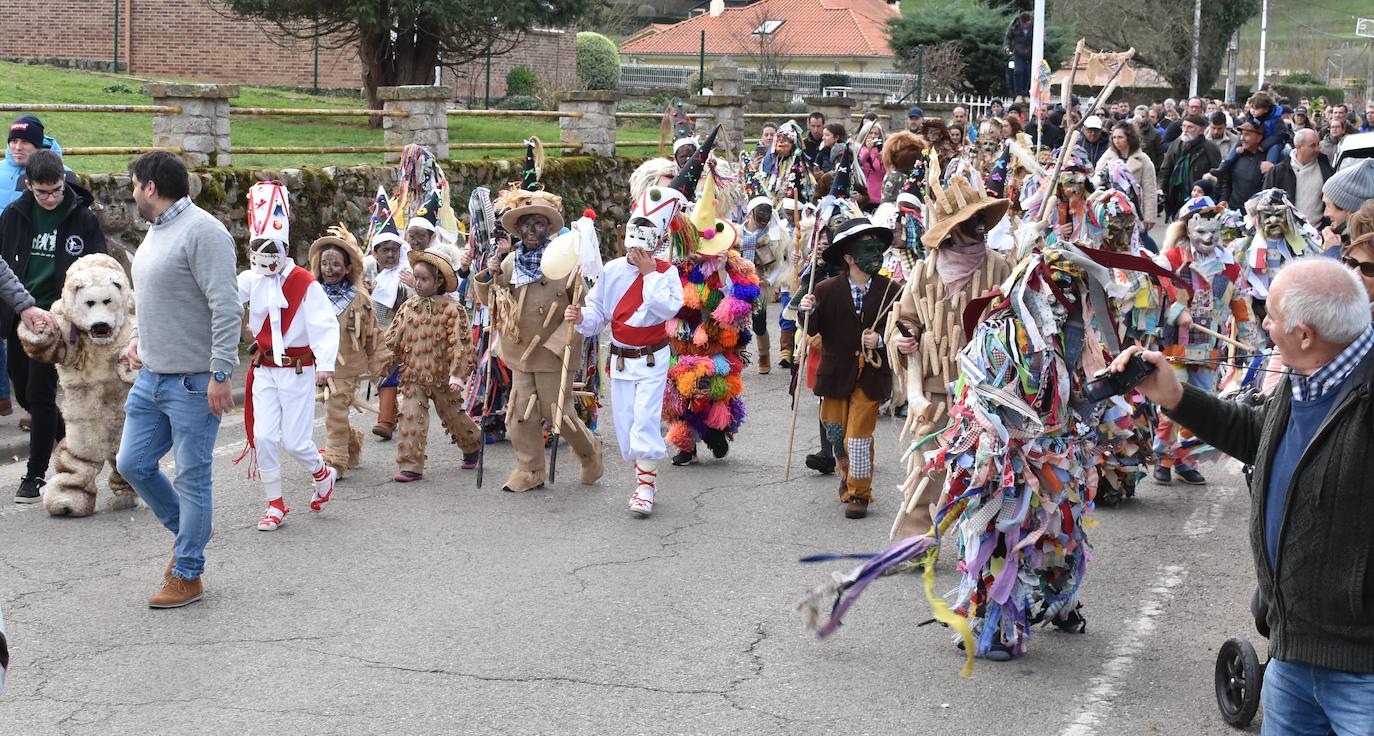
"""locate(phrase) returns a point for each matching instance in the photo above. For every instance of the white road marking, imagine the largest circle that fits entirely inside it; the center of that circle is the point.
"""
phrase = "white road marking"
(1104, 688)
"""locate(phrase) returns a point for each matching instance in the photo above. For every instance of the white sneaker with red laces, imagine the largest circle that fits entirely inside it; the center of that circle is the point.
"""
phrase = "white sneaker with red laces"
(273, 519)
(325, 478)
(642, 501)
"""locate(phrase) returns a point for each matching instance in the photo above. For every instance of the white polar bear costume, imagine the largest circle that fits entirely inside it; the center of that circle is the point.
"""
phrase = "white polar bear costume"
(96, 314)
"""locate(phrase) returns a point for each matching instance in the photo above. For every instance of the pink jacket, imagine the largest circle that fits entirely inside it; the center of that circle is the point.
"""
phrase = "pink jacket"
(871, 161)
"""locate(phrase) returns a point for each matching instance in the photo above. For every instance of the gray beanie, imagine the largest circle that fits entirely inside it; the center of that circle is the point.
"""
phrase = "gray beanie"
(1352, 185)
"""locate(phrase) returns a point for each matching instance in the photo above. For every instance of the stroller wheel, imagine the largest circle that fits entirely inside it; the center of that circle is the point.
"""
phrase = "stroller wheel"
(1238, 679)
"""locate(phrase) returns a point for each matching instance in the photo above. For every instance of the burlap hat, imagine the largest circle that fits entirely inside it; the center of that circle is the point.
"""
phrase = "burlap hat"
(434, 256)
(957, 204)
(339, 237)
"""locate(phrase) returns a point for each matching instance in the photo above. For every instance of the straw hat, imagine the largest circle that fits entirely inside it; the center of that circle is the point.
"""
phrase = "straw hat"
(339, 237)
(957, 204)
(434, 256)
(533, 203)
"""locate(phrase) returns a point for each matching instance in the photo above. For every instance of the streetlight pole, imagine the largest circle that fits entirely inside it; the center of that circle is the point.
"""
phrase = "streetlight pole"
(1264, 42)
(1197, 44)
(1232, 50)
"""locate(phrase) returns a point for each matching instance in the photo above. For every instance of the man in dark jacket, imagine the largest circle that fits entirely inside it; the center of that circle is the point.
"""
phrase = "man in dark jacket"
(1150, 140)
(1302, 175)
(1187, 159)
(41, 234)
(854, 377)
(1310, 505)
(1242, 174)
(1020, 35)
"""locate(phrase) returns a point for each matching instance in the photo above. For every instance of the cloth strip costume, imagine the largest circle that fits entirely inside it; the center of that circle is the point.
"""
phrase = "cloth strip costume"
(385, 245)
(295, 335)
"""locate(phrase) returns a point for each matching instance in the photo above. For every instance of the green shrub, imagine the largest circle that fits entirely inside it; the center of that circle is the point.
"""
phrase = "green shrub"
(521, 81)
(1302, 79)
(833, 79)
(693, 82)
(520, 102)
(598, 61)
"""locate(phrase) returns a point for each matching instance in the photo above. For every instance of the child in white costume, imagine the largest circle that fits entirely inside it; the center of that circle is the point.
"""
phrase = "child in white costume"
(637, 295)
(297, 340)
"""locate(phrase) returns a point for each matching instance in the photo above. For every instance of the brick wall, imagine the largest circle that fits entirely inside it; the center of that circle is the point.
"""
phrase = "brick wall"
(195, 40)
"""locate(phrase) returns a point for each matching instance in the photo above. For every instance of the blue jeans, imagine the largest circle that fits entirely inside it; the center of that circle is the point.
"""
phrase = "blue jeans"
(1301, 699)
(171, 411)
(4, 373)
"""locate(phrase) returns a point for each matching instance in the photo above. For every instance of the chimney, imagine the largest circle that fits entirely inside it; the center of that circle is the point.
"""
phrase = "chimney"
(717, 7)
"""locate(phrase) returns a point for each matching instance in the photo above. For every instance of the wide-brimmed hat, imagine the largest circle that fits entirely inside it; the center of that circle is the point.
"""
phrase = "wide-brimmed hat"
(524, 202)
(957, 204)
(851, 232)
(434, 256)
(339, 237)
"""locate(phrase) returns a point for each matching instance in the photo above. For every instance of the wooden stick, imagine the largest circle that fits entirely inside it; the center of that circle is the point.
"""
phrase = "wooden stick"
(567, 355)
(800, 358)
(1224, 338)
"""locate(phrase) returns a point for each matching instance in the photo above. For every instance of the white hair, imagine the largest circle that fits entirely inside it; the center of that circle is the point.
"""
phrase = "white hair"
(1324, 295)
(1304, 136)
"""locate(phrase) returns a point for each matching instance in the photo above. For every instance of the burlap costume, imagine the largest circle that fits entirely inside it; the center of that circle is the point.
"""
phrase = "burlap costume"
(431, 338)
(936, 317)
(361, 353)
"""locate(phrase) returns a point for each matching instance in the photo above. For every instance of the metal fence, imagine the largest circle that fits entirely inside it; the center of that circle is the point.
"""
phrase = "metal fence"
(654, 76)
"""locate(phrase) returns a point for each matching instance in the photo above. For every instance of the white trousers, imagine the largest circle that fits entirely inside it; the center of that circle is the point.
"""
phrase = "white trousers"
(637, 404)
(284, 419)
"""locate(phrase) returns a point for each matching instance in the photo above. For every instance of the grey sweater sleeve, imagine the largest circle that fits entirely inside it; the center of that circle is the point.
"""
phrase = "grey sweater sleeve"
(1228, 426)
(214, 267)
(12, 290)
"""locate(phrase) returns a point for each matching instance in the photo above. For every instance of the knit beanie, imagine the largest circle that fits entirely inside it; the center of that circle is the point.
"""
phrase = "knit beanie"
(1352, 185)
(27, 128)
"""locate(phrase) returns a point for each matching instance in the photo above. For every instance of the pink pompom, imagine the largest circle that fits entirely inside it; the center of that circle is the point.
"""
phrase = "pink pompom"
(708, 233)
(718, 416)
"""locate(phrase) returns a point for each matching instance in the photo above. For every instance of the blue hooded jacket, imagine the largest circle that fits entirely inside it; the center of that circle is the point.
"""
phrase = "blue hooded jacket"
(12, 174)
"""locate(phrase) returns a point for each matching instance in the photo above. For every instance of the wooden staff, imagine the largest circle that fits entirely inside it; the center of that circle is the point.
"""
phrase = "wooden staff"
(1224, 338)
(563, 377)
(799, 360)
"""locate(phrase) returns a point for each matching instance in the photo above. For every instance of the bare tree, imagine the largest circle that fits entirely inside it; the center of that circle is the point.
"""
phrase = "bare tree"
(941, 66)
(766, 42)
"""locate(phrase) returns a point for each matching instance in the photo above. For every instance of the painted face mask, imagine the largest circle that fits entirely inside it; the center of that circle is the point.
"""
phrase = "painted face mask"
(268, 258)
(1273, 218)
(1073, 184)
(1117, 232)
(1203, 233)
(868, 255)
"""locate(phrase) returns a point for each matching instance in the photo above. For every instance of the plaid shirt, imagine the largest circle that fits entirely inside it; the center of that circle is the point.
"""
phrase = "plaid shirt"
(857, 293)
(1333, 374)
(170, 213)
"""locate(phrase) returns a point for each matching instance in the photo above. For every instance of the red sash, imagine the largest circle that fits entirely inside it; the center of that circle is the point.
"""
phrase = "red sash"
(297, 282)
(630, 302)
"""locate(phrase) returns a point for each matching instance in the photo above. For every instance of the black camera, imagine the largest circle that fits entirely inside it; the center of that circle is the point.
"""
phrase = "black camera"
(1105, 385)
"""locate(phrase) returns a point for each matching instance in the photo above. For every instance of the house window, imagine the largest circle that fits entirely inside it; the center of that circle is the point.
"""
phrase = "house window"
(768, 28)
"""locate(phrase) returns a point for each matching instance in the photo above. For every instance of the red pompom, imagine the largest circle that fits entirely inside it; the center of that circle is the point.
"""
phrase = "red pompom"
(589, 213)
(675, 226)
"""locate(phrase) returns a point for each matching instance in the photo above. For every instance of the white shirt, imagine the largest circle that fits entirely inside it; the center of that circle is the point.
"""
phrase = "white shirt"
(314, 325)
(662, 298)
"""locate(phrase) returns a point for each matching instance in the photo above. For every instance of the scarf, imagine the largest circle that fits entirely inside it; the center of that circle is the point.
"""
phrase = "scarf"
(527, 265)
(1181, 178)
(267, 291)
(388, 282)
(957, 263)
(340, 295)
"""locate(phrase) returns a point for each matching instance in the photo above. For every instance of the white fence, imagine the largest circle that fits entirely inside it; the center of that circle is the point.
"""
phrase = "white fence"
(654, 76)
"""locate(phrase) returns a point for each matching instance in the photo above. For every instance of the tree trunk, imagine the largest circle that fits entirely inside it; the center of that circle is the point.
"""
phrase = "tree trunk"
(388, 63)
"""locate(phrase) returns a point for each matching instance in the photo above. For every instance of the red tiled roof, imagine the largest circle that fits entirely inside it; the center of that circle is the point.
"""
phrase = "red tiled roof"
(846, 28)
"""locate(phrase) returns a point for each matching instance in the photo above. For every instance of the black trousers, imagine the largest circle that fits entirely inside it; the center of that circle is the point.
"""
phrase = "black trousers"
(35, 388)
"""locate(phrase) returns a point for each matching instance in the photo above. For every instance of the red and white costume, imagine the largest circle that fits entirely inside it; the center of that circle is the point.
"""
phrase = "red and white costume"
(296, 334)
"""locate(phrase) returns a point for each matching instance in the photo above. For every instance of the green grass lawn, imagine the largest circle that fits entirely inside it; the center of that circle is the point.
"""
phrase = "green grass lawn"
(21, 83)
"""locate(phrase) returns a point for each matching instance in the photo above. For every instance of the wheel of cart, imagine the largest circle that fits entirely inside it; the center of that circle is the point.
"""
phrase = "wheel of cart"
(1239, 674)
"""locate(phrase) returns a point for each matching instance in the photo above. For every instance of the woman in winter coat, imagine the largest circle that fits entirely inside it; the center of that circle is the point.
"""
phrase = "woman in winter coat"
(1125, 146)
(871, 161)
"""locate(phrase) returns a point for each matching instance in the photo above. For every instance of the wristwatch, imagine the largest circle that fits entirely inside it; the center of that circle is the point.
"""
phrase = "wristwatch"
(220, 376)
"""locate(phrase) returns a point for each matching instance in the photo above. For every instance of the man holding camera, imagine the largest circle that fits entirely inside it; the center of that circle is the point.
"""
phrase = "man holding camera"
(1309, 495)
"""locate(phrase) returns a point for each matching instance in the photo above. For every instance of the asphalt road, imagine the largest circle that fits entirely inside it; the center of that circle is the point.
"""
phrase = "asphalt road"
(438, 608)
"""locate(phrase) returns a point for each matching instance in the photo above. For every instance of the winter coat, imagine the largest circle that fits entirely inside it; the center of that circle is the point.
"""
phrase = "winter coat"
(841, 330)
(12, 174)
(1241, 179)
(1202, 156)
(78, 234)
(1283, 177)
(1019, 38)
(871, 161)
(1144, 172)
(1320, 587)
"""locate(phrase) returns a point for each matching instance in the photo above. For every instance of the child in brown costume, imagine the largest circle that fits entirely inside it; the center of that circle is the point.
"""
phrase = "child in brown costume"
(338, 266)
(431, 339)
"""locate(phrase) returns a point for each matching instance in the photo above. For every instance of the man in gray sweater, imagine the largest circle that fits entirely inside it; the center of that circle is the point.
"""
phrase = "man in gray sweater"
(186, 348)
(1310, 505)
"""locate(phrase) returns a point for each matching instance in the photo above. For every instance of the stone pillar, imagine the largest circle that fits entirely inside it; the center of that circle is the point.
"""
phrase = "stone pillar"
(893, 116)
(427, 121)
(770, 98)
(725, 77)
(201, 129)
(595, 128)
(835, 109)
(728, 112)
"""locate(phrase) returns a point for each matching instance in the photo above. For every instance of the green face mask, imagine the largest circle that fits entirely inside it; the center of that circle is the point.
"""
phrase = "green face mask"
(868, 255)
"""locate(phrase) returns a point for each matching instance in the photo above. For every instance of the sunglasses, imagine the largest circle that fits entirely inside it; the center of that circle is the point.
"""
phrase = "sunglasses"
(1366, 268)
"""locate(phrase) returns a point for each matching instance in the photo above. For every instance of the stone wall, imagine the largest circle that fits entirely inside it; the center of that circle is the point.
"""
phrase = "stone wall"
(325, 196)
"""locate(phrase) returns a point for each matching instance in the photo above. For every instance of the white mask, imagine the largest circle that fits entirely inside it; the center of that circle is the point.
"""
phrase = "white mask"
(268, 258)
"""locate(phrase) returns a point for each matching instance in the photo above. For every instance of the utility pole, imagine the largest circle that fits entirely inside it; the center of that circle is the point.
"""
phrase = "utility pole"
(1197, 45)
(1037, 56)
(115, 68)
(1232, 51)
(1264, 42)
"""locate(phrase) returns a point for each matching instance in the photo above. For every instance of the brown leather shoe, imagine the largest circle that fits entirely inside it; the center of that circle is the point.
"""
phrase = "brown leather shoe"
(857, 508)
(6, 407)
(177, 592)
